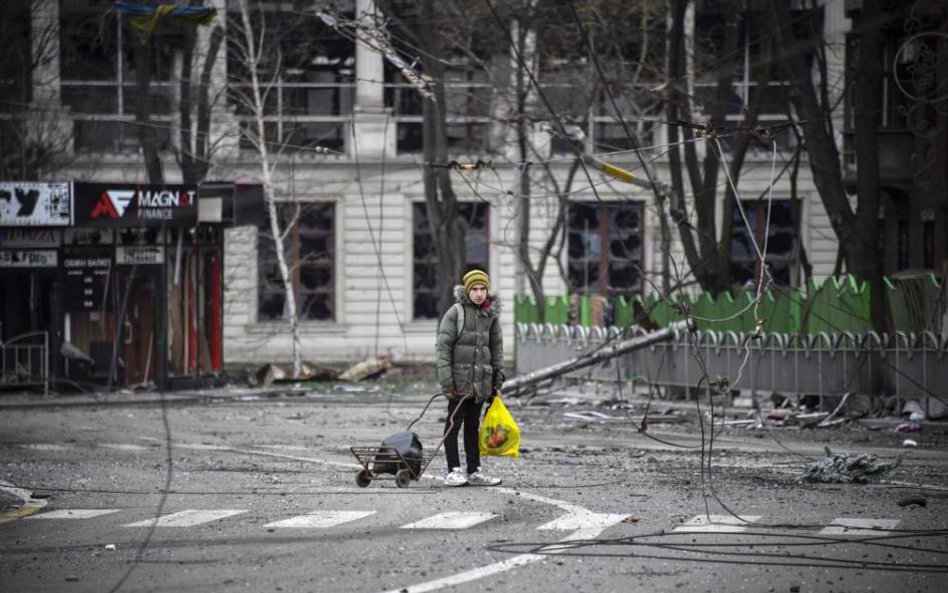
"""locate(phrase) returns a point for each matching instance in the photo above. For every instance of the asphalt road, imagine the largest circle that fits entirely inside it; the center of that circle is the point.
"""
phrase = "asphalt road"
(236, 491)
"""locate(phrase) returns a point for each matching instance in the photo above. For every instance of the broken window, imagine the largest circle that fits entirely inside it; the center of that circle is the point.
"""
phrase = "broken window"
(310, 253)
(467, 93)
(306, 72)
(709, 54)
(783, 242)
(474, 216)
(605, 248)
(97, 53)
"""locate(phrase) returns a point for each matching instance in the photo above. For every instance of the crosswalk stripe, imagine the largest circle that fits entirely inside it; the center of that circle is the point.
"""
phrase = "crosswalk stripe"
(574, 521)
(455, 520)
(860, 527)
(717, 524)
(187, 518)
(124, 446)
(73, 514)
(320, 519)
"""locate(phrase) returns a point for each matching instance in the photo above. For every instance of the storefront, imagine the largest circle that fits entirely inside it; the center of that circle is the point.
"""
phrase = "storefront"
(132, 286)
(32, 216)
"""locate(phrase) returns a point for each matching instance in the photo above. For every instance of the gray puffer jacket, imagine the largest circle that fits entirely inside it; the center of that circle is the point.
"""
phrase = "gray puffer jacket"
(472, 363)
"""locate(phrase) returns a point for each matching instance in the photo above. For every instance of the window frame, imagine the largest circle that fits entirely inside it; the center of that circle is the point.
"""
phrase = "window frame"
(267, 262)
(605, 258)
(431, 257)
(791, 256)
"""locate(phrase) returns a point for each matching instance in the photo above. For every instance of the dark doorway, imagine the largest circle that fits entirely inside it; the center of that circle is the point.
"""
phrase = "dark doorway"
(138, 326)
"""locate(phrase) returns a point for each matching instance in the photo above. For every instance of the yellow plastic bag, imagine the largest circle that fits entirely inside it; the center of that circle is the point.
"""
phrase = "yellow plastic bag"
(499, 434)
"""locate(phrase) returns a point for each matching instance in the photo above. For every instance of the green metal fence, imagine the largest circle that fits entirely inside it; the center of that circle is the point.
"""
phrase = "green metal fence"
(831, 305)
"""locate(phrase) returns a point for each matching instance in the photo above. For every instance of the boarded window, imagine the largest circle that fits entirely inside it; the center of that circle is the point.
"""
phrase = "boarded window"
(425, 259)
(605, 248)
(309, 249)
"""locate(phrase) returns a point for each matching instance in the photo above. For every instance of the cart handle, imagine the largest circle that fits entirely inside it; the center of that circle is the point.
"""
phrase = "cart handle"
(434, 397)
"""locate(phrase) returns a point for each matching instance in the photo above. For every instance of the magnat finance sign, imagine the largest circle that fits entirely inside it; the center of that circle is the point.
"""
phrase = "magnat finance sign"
(133, 205)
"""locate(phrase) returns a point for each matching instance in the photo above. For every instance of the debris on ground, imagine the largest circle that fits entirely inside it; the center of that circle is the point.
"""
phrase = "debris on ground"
(913, 500)
(909, 443)
(367, 369)
(780, 414)
(909, 427)
(933, 408)
(272, 373)
(269, 373)
(845, 469)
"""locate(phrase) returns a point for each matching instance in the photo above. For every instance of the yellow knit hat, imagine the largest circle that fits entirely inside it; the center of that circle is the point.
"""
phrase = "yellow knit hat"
(476, 278)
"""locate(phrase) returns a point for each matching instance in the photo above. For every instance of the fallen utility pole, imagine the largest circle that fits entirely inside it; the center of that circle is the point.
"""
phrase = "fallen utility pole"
(520, 382)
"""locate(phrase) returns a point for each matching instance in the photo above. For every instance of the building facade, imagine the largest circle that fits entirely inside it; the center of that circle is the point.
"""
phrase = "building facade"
(345, 124)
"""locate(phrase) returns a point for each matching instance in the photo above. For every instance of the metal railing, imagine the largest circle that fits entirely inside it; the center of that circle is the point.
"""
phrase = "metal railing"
(906, 365)
(24, 361)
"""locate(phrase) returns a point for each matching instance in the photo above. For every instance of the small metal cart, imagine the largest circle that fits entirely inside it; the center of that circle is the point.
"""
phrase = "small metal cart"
(384, 462)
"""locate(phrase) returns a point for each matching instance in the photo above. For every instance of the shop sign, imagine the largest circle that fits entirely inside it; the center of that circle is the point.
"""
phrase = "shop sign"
(34, 203)
(80, 236)
(120, 205)
(87, 278)
(128, 255)
(16, 237)
(28, 258)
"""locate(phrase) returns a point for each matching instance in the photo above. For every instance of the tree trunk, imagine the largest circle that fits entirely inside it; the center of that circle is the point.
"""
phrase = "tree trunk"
(863, 255)
(440, 199)
(713, 269)
(266, 167)
(146, 131)
(676, 102)
(858, 243)
(824, 159)
(194, 157)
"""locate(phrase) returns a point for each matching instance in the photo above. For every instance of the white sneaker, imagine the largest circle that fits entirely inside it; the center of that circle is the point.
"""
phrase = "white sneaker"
(455, 478)
(478, 478)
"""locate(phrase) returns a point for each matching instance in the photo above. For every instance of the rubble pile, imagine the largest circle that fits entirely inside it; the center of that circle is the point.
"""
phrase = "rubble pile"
(845, 469)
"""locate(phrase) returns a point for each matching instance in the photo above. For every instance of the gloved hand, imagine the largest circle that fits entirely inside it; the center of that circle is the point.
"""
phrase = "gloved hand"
(449, 394)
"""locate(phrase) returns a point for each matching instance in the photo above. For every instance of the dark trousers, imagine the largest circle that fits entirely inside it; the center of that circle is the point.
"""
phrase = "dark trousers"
(466, 413)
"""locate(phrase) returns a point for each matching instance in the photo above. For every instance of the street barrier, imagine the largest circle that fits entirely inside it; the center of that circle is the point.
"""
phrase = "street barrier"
(909, 366)
(24, 361)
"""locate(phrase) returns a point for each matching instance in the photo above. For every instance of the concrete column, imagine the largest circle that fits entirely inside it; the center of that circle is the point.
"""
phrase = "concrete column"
(373, 127)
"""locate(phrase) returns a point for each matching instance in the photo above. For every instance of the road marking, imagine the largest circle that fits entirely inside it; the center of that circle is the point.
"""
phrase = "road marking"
(477, 573)
(320, 519)
(73, 513)
(452, 520)
(717, 524)
(45, 447)
(187, 518)
(860, 527)
(126, 447)
(572, 521)
(575, 538)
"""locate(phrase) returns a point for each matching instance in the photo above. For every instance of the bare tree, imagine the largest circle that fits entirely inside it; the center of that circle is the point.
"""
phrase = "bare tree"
(196, 148)
(250, 46)
(32, 137)
(709, 254)
(857, 230)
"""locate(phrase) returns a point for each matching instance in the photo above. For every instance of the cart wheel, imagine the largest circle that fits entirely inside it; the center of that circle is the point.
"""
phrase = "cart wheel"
(402, 478)
(363, 478)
